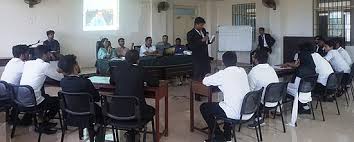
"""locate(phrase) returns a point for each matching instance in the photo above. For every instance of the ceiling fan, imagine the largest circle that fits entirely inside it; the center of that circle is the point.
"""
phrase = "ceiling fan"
(270, 4)
(31, 3)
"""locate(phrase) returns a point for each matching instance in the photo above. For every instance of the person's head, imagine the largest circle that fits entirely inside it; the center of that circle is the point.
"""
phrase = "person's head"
(50, 34)
(178, 41)
(132, 56)
(261, 30)
(102, 43)
(148, 41)
(121, 42)
(306, 47)
(260, 57)
(42, 52)
(99, 14)
(318, 40)
(329, 45)
(338, 43)
(21, 51)
(68, 65)
(199, 23)
(165, 38)
(107, 44)
(229, 58)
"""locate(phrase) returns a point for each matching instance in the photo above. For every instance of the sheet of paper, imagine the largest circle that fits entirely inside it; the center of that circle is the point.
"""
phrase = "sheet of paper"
(99, 79)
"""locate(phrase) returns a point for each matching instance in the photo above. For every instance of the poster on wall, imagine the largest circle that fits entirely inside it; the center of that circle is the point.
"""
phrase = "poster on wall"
(100, 15)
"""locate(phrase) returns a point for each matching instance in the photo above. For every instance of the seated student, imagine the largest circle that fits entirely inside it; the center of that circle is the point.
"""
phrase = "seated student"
(129, 79)
(160, 46)
(105, 51)
(335, 59)
(73, 83)
(34, 74)
(261, 76)
(233, 83)
(323, 69)
(305, 66)
(343, 52)
(14, 68)
(319, 45)
(148, 49)
(121, 49)
(179, 48)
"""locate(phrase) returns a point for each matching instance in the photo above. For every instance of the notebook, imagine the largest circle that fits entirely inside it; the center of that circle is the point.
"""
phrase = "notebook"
(99, 80)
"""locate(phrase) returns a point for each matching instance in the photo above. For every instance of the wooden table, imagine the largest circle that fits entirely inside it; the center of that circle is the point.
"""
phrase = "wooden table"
(156, 93)
(197, 87)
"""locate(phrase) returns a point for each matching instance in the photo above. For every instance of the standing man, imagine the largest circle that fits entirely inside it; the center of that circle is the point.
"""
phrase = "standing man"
(265, 40)
(163, 44)
(198, 41)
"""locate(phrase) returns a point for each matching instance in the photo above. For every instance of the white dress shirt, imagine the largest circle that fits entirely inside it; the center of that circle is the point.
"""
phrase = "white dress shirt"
(35, 73)
(13, 71)
(144, 49)
(337, 61)
(233, 82)
(323, 68)
(345, 55)
(264, 40)
(261, 76)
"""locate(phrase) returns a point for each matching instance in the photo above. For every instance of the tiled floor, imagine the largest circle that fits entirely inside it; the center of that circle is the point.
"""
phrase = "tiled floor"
(336, 128)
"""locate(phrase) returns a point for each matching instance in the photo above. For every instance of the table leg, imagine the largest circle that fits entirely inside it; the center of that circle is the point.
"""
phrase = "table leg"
(157, 118)
(191, 110)
(166, 114)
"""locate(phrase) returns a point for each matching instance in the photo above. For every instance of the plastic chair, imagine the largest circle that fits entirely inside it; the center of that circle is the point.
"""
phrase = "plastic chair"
(5, 98)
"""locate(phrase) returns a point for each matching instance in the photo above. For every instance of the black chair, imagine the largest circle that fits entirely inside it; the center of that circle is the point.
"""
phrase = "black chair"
(351, 80)
(346, 80)
(5, 98)
(275, 93)
(25, 101)
(250, 105)
(307, 85)
(78, 111)
(125, 118)
(332, 86)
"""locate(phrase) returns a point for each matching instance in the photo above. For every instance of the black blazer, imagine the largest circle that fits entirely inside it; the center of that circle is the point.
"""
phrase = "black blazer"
(75, 84)
(269, 39)
(129, 80)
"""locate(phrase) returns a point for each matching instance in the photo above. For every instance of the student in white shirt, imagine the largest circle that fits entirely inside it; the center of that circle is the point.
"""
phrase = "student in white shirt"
(233, 83)
(34, 75)
(261, 76)
(335, 59)
(148, 49)
(343, 52)
(14, 68)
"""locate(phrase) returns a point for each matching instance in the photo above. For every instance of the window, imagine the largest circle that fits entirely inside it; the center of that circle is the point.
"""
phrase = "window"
(245, 15)
(332, 18)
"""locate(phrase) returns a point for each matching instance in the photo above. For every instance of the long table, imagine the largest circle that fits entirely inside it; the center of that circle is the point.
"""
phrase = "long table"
(156, 93)
(197, 87)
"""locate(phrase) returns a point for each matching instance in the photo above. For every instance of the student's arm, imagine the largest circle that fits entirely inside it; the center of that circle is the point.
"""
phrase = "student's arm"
(101, 54)
(51, 72)
(92, 90)
(329, 56)
(142, 51)
(252, 80)
(272, 40)
(213, 80)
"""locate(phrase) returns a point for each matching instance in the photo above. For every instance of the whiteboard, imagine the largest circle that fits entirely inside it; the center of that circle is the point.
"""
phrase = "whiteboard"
(235, 38)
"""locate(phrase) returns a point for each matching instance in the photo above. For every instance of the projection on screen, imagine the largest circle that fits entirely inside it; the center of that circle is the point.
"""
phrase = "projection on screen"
(100, 15)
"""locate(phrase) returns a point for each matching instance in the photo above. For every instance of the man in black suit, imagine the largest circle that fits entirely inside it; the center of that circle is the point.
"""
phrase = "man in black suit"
(265, 40)
(319, 44)
(129, 79)
(198, 41)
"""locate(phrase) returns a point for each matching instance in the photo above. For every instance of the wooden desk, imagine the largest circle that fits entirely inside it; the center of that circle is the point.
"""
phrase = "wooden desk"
(197, 87)
(156, 93)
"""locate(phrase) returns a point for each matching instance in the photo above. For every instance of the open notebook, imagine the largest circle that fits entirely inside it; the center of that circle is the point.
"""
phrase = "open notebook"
(99, 79)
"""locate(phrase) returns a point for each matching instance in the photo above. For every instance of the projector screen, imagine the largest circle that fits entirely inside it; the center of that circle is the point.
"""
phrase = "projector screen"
(100, 15)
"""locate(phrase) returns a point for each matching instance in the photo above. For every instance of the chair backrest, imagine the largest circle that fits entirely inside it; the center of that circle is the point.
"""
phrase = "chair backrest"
(78, 104)
(23, 96)
(308, 83)
(332, 82)
(5, 91)
(352, 71)
(121, 108)
(339, 76)
(275, 92)
(251, 102)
